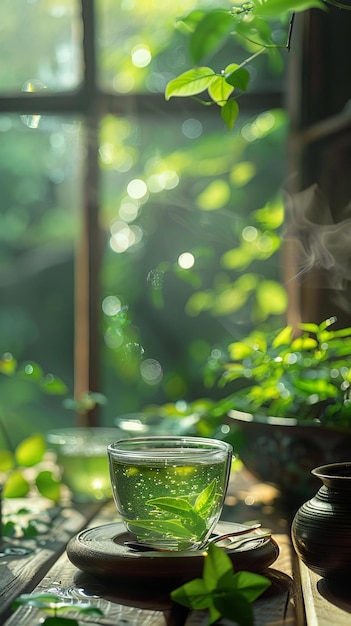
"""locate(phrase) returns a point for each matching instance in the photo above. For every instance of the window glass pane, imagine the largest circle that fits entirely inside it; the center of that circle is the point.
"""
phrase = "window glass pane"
(40, 43)
(182, 206)
(39, 212)
(140, 50)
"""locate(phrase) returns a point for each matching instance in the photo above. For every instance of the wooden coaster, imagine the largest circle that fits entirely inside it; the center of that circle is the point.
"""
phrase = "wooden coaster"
(100, 551)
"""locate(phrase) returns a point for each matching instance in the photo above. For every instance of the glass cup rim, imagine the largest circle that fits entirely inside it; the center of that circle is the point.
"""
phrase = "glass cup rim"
(155, 447)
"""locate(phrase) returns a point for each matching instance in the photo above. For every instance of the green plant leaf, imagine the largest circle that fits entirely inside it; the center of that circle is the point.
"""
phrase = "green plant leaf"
(38, 600)
(189, 517)
(193, 595)
(256, 31)
(219, 90)
(251, 585)
(190, 83)
(217, 565)
(204, 501)
(8, 364)
(221, 591)
(30, 451)
(59, 621)
(210, 34)
(48, 485)
(52, 602)
(53, 385)
(171, 504)
(237, 76)
(7, 460)
(274, 8)
(283, 338)
(303, 343)
(234, 604)
(171, 527)
(188, 23)
(229, 113)
(16, 486)
(31, 371)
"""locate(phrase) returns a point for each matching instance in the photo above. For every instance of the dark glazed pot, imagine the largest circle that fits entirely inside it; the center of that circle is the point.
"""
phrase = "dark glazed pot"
(283, 452)
(321, 528)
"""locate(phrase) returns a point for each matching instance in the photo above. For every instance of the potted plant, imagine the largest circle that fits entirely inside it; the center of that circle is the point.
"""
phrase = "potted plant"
(292, 408)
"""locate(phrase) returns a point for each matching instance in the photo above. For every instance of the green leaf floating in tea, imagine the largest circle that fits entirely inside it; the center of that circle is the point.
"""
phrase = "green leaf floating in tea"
(188, 521)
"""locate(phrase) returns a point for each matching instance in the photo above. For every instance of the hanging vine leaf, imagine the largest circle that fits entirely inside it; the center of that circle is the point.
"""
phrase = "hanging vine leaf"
(190, 83)
(219, 90)
(229, 113)
(210, 34)
(237, 76)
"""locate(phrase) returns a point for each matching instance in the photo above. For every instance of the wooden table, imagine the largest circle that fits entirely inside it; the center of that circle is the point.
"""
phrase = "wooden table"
(299, 598)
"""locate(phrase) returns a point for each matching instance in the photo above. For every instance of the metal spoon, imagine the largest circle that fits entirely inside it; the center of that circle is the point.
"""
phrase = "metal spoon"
(144, 547)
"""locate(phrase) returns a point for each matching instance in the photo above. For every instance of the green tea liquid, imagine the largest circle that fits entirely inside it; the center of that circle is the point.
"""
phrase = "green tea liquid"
(174, 505)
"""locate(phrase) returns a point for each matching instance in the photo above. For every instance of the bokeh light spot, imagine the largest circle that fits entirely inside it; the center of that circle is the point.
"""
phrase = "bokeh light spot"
(123, 82)
(186, 260)
(111, 305)
(141, 55)
(151, 371)
(192, 128)
(249, 234)
(137, 188)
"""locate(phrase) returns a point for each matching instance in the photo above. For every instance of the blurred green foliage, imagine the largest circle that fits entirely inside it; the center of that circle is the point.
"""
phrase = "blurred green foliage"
(305, 376)
(171, 184)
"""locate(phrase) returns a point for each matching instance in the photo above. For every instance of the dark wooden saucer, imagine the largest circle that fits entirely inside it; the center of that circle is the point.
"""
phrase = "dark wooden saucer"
(100, 551)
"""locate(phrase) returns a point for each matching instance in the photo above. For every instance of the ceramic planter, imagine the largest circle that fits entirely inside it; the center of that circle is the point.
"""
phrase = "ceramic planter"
(283, 452)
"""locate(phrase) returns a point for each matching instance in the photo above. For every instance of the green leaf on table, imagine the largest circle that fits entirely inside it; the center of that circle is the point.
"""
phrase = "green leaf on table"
(217, 565)
(251, 585)
(30, 451)
(190, 83)
(193, 595)
(38, 600)
(9, 529)
(221, 591)
(60, 621)
(51, 602)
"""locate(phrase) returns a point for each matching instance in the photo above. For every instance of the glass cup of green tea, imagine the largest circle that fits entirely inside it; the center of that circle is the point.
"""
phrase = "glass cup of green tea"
(81, 457)
(169, 491)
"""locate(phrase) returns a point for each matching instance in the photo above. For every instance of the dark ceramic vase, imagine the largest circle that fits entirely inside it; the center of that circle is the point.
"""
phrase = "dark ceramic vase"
(321, 528)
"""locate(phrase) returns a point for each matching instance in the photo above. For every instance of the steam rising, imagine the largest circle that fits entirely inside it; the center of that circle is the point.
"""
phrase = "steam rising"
(317, 240)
